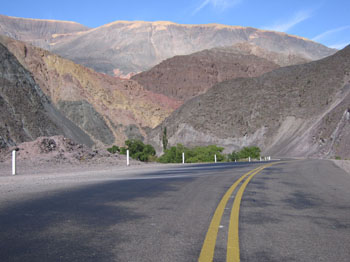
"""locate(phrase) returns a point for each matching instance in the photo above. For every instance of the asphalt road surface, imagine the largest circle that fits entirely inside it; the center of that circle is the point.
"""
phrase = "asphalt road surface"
(288, 211)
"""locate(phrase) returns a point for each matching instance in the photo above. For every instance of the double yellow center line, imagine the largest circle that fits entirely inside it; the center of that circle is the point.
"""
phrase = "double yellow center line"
(208, 248)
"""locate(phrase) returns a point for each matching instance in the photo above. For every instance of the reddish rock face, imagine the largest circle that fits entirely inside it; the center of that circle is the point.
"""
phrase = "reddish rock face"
(183, 77)
(103, 106)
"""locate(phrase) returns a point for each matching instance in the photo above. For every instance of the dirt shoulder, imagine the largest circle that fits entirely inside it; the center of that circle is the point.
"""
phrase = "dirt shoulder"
(344, 164)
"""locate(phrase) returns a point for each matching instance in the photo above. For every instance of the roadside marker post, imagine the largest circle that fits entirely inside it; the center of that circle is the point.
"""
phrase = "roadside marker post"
(260, 159)
(249, 159)
(215, 158)
(127, 158)
(14, 162)
(183, 158)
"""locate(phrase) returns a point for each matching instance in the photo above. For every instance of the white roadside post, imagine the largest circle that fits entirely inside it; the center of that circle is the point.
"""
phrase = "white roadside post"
(183, 158)
(215, 158)
(249, 159)
(260, 159)
(127, 158)
(14, 162)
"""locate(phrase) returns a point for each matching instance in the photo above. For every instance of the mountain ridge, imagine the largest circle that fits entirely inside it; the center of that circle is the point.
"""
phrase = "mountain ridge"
(300, 110)
(121, 48)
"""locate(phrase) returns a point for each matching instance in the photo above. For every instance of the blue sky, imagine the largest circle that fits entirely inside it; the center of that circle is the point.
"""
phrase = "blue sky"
(324, 21)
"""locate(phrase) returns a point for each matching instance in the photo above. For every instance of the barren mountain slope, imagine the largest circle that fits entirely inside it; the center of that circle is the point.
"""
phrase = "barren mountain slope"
(25, 112)
(292, 111)
(38, 32)
(184, 77)
(110, 110)
(128, 47)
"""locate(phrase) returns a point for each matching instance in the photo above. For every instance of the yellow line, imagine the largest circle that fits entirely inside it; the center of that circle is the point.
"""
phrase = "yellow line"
(233, 253)
(207, 252)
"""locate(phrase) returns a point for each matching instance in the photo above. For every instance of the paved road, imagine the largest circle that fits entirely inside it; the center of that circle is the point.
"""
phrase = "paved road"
(291, 211)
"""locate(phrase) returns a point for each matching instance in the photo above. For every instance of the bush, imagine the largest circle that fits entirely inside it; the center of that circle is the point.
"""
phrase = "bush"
(138, 150)
(253, 152)
(197, 154)
(245, 152)
(233, 156)
(337, 158)
(173, 154)
(113, 149)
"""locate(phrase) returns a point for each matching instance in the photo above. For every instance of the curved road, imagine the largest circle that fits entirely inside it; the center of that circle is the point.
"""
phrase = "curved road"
(289, 211)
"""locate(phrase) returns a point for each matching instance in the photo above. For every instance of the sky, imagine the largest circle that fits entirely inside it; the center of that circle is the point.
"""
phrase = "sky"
(324, 21)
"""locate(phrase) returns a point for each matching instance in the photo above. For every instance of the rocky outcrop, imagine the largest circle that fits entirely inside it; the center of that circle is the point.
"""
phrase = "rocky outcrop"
(25, 112)
(292, 111)
(110, 103)
(83, 114)
(183, 77)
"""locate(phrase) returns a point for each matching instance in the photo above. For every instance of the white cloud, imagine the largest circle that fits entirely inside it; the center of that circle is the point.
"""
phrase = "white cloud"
(284, 26)
(339, 46)
(220, 5)
(327, 34)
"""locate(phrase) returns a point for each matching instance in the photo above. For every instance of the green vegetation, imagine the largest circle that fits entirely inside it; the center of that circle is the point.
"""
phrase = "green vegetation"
(200, 154)
(246, 152)
(113, 149)
(197, 154)
(337, 158)
(165, 139)
(137, 150)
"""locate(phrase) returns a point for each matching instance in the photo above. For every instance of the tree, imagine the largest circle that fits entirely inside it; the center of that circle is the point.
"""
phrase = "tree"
(253, 152)
(234, 156)
(165, 139)
(138, 150)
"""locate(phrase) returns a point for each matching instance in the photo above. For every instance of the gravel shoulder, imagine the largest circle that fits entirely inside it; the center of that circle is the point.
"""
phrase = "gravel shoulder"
(343, 164)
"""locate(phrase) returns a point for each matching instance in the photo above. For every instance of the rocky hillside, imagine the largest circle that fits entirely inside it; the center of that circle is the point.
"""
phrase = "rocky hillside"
(300, 110)
(25, 112)
(38, 32)
(108, 109)
(183, 77)
(124, 47)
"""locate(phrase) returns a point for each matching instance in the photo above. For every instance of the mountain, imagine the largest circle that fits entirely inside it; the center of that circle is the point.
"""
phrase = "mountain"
(25, 112)
(38, 32)
(183, 77)
(123, 48)
(127, 47)
(110, 110)
(300, 110)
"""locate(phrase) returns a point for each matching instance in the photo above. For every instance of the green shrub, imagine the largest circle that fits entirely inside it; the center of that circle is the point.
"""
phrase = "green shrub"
(138, 150)
(337, 157)
(114, 149)
(197, 154)
(244, 153)
(122, 150)
(173, 154)
(233, 156)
